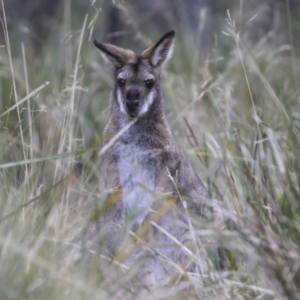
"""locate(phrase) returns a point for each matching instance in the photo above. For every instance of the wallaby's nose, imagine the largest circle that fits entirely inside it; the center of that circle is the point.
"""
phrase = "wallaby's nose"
(132, 105)
(132, 99)
(132, 94)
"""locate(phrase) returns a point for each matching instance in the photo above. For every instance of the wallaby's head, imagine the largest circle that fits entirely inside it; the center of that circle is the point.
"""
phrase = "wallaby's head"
(137, 77)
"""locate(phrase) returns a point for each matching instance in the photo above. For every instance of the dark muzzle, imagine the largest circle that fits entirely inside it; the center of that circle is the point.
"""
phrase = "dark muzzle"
(132, 101)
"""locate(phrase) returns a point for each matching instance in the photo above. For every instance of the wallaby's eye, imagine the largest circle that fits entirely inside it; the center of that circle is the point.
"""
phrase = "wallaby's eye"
(121, 82)
(149, 83)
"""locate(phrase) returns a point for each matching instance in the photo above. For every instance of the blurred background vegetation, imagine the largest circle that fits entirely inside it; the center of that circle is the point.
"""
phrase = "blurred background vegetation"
(232, 99)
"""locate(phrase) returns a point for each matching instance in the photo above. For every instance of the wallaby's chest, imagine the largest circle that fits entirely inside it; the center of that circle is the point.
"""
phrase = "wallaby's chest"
(138, 167)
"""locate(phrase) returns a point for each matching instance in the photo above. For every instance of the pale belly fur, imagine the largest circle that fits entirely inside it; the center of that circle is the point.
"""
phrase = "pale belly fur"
(137, 179)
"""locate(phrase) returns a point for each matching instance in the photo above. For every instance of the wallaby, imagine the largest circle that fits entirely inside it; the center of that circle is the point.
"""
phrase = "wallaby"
(141, 162)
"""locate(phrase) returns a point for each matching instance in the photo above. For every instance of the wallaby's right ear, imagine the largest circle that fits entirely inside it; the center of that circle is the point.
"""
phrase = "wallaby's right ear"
(113, 54)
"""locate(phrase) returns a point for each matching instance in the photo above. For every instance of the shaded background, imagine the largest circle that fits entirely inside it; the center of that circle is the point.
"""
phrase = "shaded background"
(49, 30)
(125, 22)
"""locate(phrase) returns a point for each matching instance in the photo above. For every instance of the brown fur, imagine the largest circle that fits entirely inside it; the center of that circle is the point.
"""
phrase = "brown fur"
(145, 163)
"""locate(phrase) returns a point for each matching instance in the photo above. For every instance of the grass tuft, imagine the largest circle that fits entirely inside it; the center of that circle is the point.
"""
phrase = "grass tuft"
(235, 113)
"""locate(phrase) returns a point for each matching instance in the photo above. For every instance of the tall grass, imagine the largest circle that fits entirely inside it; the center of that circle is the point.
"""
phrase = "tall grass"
(235, 114)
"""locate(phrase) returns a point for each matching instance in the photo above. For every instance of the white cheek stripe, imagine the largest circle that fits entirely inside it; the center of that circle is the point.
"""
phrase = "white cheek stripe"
(147, 103)
(121, 104)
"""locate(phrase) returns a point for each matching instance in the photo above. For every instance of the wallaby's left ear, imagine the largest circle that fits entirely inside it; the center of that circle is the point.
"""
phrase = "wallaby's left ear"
(114, 54)
(161, 51)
